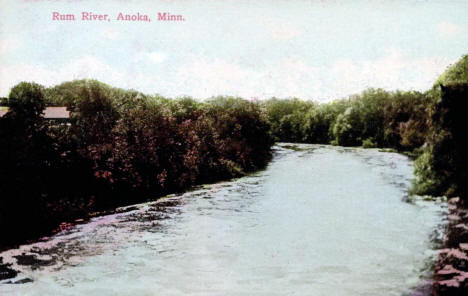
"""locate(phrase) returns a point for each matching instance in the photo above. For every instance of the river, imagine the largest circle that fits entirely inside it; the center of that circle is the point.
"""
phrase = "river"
(320, 220)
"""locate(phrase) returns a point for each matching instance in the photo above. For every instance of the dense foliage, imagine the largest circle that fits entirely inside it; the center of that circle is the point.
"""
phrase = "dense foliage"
(427, 126)
(374, 118)
(457, 73)
(443, 167)
(118, 147)
(122, 146)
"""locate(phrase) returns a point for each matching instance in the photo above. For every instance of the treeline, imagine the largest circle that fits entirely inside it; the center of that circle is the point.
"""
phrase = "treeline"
(427, 125)
(122, 146)
(374, 118)
(118, 147)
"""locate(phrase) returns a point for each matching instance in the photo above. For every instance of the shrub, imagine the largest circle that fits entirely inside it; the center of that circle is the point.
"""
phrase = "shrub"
(369, 143)
(444, 165)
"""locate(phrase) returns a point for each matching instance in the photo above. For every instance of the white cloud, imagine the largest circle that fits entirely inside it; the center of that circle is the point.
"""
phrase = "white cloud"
(8, 45)
(155, 57)
(279, 30)
(293, 77)
(86, 67)
(92, 67)
(391, 71)
(205, 77)
(110, 34)
(10, 76)
(447, 29)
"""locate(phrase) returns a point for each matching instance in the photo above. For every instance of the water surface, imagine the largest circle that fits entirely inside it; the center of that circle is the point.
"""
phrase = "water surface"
(320, 220)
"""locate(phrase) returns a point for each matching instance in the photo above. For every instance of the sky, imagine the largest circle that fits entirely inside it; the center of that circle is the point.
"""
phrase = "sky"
(320, 50)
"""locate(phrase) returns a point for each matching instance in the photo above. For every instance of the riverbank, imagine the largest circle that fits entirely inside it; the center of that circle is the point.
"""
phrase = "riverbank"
(75, 215)
(332, 220)
(451, 270)
(117, 148)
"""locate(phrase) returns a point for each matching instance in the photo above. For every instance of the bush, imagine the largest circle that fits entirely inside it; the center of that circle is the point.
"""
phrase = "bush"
(444, 165)
(427, 182)
(347, 129)
(369, 143)
(119, 147)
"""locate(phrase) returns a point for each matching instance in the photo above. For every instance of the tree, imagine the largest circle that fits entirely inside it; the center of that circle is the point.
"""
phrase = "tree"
(27, 155)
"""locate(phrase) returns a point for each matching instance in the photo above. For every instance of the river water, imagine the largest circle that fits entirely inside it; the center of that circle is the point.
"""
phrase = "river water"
(320, 220)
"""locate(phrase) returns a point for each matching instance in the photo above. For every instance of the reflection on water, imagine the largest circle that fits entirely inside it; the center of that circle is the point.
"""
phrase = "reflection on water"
(319, 220)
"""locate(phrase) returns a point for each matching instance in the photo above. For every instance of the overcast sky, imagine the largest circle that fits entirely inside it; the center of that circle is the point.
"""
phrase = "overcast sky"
(309, 49)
